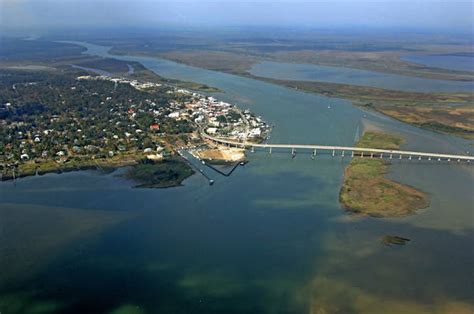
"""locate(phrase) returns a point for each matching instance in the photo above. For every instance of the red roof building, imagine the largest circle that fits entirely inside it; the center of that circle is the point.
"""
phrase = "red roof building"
(154, 126)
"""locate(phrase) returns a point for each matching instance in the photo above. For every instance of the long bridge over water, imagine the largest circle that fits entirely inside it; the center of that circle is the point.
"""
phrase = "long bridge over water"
(345, 151)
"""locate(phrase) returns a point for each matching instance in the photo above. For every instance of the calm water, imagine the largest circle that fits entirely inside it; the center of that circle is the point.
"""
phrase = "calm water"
(450, 62)
(271, 238)
(310, 72)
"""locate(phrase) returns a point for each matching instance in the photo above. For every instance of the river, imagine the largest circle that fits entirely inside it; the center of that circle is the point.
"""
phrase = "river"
(321, 73)
(272, 238)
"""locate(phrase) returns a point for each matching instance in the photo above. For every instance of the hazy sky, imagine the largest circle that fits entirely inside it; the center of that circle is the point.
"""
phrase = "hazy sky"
(425, 14)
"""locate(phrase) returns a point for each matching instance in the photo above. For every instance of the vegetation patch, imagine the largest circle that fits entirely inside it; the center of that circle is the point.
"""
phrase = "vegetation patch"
(163, 174)
(455, 120)
(390, 240)
(365, 190)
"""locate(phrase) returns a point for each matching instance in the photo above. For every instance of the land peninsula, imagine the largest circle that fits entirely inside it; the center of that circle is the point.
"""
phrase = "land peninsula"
(81, 113)
(366, 191)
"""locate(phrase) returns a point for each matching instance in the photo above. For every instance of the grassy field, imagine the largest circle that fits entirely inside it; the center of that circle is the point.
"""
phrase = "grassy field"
(229, 62)
(452, 120)
(366, 191)
(380, 140)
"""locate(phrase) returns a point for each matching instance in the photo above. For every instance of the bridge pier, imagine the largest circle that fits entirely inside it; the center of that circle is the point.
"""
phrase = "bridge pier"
(400, 157)
(352, 154)
(361, 154)
(371, 155)
(391, 156)
(381, 155)
(342, 154)
(270, 151)
(333, 152)
(419, 157)
(409, 158)
(252, 150)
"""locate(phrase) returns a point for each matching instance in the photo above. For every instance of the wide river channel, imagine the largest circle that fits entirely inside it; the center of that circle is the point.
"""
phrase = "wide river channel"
(272, 238)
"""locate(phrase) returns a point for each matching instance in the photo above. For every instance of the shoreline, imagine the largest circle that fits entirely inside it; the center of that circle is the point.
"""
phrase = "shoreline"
(60, 168)
(108, 167)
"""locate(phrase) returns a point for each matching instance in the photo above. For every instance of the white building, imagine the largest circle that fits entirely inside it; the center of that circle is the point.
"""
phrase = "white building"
(255, 132)
(211, 130)
(174, 115)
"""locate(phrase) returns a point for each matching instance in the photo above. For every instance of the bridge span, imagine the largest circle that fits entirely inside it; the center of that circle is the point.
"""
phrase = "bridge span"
(345, 150)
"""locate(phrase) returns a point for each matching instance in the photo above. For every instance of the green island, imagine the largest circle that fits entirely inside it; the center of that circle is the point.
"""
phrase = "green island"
(366, 191)
(162, 174)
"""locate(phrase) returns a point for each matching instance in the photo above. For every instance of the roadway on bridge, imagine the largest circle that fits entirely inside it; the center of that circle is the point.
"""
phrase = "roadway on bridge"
(359, 150)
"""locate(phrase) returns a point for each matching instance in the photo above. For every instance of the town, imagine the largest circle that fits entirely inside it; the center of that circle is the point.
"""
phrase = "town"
(87, 121)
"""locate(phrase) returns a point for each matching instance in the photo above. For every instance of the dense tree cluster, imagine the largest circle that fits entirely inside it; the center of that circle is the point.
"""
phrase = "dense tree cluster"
(55, 115)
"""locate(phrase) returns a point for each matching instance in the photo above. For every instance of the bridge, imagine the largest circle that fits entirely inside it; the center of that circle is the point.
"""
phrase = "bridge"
(344, 150)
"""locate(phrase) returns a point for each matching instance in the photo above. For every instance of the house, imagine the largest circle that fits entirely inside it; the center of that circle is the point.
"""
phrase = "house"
(154, 127)
(255, 132)
(199, 119)
(174, 115)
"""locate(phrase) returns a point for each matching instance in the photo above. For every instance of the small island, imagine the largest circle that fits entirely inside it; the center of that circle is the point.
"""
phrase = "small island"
(366, 191)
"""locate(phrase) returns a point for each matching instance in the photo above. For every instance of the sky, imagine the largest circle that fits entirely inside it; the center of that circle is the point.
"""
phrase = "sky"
(449, 15)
